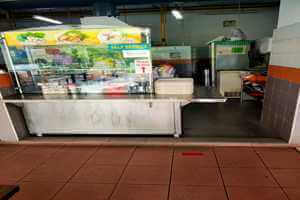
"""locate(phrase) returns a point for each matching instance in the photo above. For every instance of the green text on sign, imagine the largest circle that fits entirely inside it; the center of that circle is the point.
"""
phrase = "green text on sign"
(128, 46)
(237, 50)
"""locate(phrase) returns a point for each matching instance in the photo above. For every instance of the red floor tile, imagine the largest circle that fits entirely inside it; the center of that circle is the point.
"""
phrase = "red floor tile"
(140, 192)
(248, 177)
(238, 157)
(200, 157)
(146, 175)
(37, 152)
(287, 177)
(13, 173)
(37, 190)
(98, 174)
(112, 156)
(257, 193)
(161, 156)
(76, 155)
(293, 193)
(53, 172)
(75, 191)
(7, 151)
(196, 176)
(75, 150)
(7, 181)
(273, 149)
(197, 192)
(281, 159)
(17, 167)
(20, 164)
(8, 148)
(33, 154)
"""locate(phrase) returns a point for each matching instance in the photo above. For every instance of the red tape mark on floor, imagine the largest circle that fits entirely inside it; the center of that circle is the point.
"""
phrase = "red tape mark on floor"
(192, 154)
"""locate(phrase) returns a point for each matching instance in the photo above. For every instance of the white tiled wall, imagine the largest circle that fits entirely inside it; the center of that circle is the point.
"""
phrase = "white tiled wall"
(199, 27)
(289, 12)
(287, 32)
(295, 136)
(286, 46)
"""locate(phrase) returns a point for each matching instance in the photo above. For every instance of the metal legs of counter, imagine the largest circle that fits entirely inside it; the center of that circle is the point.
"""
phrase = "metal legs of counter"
(90, 117)
(178, 119)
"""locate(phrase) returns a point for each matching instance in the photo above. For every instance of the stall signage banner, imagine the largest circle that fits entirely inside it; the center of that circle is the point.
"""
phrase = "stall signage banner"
(143, 66)
(75, 36)
(128, 46)
(231, 50)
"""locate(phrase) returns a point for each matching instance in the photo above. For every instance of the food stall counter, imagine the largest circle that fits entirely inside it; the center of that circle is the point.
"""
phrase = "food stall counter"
(86, 80)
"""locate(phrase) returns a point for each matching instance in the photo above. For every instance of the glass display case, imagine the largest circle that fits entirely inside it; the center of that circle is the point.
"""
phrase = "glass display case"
(79, 59)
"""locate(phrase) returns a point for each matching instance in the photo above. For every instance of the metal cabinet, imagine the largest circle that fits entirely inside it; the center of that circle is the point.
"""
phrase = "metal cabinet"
(100, 118)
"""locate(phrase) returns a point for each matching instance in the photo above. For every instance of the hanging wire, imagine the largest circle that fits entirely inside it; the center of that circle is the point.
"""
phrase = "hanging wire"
(182, 28)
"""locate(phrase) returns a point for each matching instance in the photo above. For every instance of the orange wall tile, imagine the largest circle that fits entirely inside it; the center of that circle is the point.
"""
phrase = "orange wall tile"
(286, 73)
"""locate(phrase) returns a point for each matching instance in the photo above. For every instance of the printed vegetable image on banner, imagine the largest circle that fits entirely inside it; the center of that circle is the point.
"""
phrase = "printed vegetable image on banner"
(75, 36)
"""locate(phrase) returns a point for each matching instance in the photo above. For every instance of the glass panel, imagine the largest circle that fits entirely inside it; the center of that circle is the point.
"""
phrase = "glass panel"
(75, 68)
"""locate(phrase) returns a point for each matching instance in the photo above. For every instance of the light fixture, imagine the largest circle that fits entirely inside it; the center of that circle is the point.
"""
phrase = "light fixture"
(177, 14)
(4, 1)
(46, 19)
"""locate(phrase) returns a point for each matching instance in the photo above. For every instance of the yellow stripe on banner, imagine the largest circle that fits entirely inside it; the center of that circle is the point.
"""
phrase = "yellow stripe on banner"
(75, 36)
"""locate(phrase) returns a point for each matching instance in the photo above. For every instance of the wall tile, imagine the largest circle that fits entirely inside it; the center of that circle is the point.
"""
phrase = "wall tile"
(287, 32)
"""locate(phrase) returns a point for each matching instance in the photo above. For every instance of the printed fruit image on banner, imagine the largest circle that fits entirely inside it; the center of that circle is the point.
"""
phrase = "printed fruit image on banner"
(76, 36)
(73, 36)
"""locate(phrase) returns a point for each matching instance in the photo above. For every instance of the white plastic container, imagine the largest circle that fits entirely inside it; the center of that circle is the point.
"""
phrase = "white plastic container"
(230, 83)
(174, 86)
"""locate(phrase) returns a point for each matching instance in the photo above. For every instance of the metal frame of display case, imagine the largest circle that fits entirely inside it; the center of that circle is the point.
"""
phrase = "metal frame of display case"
(8, 61)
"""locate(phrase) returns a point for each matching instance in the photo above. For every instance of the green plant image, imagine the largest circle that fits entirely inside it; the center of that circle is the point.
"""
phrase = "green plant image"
(78, 54)
(106, 57)
(31, 36)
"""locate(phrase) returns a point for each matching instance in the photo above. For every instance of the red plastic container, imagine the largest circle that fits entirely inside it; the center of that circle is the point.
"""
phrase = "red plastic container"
(5, 81)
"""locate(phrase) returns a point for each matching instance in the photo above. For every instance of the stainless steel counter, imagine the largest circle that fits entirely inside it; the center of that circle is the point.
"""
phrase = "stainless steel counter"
(201, 95)
(97, 113)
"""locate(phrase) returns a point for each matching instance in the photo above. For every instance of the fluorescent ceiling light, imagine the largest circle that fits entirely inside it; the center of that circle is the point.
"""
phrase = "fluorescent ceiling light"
(4, 1)
(46, 19)
(177, 14)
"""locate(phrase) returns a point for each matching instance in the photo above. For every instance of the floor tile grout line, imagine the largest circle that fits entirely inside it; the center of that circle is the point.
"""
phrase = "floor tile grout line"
(270, 171)
(38, 165)
(171, 173)
(14, 153)
(219, 168)
(125, 167)
(81, 166)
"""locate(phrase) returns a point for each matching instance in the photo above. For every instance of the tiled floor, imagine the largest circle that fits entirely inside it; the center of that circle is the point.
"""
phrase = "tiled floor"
(155, 173)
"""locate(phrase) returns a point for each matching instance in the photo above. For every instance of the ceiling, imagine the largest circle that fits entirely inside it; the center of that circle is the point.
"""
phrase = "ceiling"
(32, 4)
